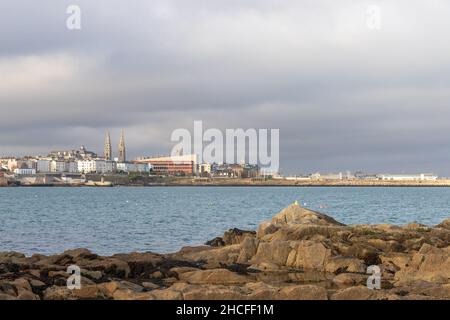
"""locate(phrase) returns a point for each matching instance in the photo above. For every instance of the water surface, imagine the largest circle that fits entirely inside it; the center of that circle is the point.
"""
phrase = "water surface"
(163, 219)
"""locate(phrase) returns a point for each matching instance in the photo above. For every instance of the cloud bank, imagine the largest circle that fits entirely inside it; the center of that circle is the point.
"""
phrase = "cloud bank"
(344, 96)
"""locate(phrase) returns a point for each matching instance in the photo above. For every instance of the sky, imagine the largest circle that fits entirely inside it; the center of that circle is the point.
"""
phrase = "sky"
(345, 93)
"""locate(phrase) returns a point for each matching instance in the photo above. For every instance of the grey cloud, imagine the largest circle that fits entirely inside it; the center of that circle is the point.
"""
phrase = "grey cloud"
(343, 96)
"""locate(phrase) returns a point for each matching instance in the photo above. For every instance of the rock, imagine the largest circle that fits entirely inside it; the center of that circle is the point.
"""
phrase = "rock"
(349, 279)
(275, 252)
(8, 288)
(91, 292)
(11, 254)
(303, 292)
(22, 285)
(354, 293)
(236, 236)
(266, 228)
(398, 260)
(37, 284)
(167, 294)
(124, 286)
(12, 261)
(385, 245)
(110, 266)
(249, 247)
(94, 275)
(57, 293)
(365, 252)
(150, 285)
(416, 227)
(429, 264)
(181, 270)
(214, 276)
(157, 275)
(230, 237)
(298, 255)
(27, 295)
(308, 255)
(216, 242)
(444, 224)
(344, 264)
(423, 290)
(264, 266)
(80, 253)
(123, 294)
(261, 291)
(140, 264)
(4, 296)
(295, 214)
(211, 257)
(214, 292)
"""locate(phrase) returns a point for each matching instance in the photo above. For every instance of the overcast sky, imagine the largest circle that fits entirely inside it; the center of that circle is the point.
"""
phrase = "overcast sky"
(344, 96)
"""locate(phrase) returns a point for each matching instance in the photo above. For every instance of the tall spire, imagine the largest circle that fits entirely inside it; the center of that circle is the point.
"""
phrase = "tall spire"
(122, 154)
(107, 150)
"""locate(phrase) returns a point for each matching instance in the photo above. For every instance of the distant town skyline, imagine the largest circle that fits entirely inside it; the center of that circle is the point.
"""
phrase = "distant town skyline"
(344, 96)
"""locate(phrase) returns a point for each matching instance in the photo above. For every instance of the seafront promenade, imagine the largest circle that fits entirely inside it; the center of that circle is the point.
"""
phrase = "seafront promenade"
(125, 180)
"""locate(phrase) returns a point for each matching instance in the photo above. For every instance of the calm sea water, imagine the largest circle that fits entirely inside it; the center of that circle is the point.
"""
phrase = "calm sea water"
(163, 219)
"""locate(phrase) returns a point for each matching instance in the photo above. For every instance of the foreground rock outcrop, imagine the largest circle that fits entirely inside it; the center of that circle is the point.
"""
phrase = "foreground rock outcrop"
(299, 255)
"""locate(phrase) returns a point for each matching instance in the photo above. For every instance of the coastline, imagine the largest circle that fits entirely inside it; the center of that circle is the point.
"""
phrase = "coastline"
(298, 255)
(125, 181)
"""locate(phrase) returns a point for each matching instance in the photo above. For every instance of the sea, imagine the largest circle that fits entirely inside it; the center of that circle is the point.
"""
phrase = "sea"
(49, 220)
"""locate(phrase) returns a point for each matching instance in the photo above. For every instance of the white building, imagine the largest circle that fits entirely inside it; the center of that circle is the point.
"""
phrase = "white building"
(87, 166)
(71, 167)
(21, 164)
(24, 171)
(408, 177)
(43, 165)
(96, 166)
(57, 166)
(204, 168)
(133, 167)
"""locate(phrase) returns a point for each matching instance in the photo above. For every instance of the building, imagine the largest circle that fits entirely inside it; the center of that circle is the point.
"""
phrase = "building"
(204, 169)
(327, 177)
(43, 165)
(243, 170)
(175, 165)
(298, 178)
(80, 154)
(57, 166)
(24, 171)
(122, 152)
(96, 166)
(71, 167)
(107, 149)
(408, 177)
(127, 167)
(4, 163)
(23, 163)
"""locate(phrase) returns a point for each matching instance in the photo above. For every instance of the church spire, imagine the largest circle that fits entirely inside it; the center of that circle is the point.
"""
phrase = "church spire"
(107, 150)
(122, 154)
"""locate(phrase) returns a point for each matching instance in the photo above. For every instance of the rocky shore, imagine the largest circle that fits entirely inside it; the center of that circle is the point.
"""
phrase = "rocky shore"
(300, 254)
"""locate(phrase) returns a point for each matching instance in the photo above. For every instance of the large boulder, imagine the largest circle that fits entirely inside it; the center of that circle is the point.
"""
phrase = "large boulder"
(295, 214)
(232, 236)
(429, 264)
(308, 255)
